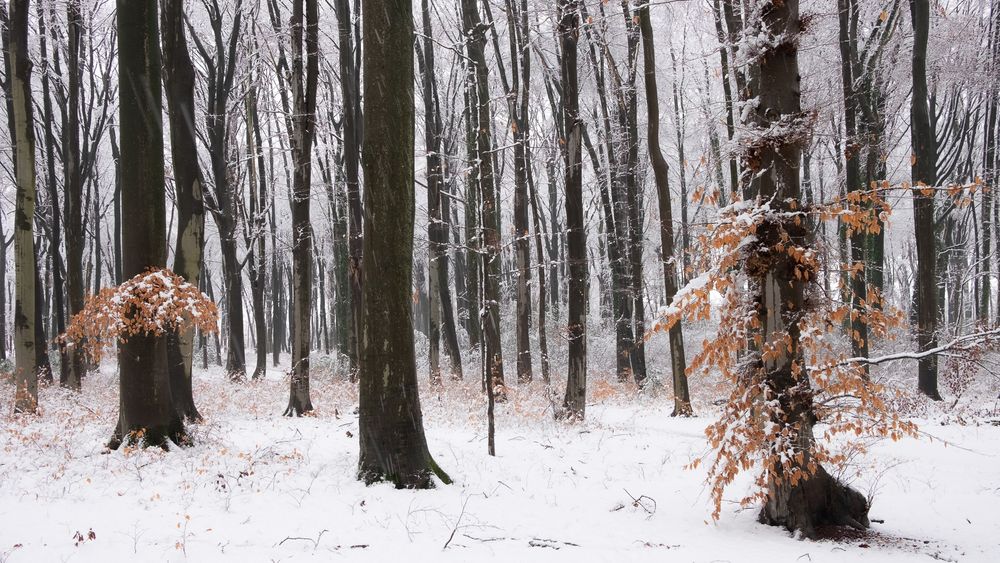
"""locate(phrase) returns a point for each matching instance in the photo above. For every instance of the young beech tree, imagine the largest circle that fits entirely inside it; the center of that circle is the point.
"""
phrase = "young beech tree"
(760, 258)
(391, 429)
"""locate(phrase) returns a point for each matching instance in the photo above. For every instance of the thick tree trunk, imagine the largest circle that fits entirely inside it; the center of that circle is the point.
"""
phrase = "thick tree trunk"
(923, 173)
(305, 76)
(147, 414)
(812, 498)
(576, 234)
(393, 446)
(188, 250)
(678, 364)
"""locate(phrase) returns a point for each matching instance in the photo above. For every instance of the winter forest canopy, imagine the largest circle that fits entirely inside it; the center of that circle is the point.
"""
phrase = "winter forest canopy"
(612, 278)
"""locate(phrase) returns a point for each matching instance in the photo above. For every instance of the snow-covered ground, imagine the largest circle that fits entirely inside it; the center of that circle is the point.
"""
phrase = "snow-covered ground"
(260, 487)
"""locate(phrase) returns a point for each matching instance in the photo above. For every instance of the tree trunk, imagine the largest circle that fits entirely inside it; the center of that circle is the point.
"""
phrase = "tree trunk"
(257, 238)
(350, 82)
(23, 140)
(147, 414)
(576, 234)
(810, 497)
(188, 250)
(923, 173)
(475, 33)
(678, 364)
(305, 77)
(393, 446)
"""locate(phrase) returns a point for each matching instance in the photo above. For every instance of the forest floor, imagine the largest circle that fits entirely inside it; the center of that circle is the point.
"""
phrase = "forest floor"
(256, 486)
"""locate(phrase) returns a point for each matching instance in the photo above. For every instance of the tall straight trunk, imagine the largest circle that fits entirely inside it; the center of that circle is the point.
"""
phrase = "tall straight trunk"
(468, 302)
(257, 239)
(727, 90)
(855, 183)
(73, 188)
(350, 81)
(809, 497)
(22, 134)
(190, 242)
(679, 117)
(924, 174)
(490, 317)
(146, 414)
(55, 229)
(305, 79)
(391, 434)
(441, 316)
(678, 364)
(989, 172)
(576, 234)
(518, 97)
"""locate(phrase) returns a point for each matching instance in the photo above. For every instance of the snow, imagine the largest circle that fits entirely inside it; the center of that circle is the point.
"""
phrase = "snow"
(260, 487)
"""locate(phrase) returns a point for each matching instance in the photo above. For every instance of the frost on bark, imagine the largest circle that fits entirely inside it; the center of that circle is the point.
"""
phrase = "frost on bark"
(802, 496)
(147, 415)
(23, 136)
(392, 442)
(179, 83)
(576, 235)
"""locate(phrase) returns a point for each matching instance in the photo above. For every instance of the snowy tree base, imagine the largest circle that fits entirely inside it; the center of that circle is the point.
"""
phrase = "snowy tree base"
(820, 500)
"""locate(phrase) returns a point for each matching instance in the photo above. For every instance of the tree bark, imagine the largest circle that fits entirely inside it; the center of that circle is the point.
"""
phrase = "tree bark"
(475, 32)
(391, 434)
(814, 498)
(576, 234)
(678, 364)
(190, 243)
(147, 414)
(305, 77)
(923, 173)
(18, 61)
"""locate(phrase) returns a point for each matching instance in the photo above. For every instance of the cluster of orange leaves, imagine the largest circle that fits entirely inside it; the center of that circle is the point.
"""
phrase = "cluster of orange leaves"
(155, 303)
(750, 434)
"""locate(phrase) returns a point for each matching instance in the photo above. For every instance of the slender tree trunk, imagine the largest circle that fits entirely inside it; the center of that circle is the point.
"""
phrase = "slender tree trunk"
(350, 81)
(147, 414)
(475, 32)
(257, 238)
(923, 172)
(73, 188)
(852, 157)
(188, 250)
(678, 364)
(391, 433)
(576, 233)
(305, 77)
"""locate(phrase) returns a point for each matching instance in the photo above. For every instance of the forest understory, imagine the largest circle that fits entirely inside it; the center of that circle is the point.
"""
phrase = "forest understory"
(256, 486)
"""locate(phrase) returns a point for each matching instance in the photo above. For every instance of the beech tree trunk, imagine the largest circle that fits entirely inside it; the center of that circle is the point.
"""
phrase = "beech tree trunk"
(147, 415)
(678, 364)
(391, 433)
(23, 139)
(188, 250)
(475, 32)
(305, 77)
(815, 498)
(924, 174)
(576, 234)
